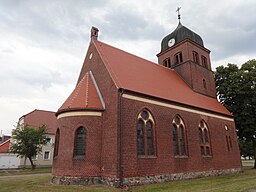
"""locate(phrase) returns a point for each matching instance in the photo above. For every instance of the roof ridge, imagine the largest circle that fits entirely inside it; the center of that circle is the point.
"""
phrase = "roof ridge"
(77, 90)
(5, 142)
(37, 110)
(111, 73)
(80, 96)
(97, 89)
(87, 89)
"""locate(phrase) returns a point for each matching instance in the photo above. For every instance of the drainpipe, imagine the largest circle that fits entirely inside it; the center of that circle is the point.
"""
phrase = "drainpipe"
(120, 138)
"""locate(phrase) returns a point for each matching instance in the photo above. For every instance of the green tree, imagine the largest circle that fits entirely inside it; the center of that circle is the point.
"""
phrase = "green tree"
(236, 89)
(246, 148)
(28, 141)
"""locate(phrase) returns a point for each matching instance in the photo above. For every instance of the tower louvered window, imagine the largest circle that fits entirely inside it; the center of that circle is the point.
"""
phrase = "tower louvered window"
(204, 61)
(179, 137)
(204, 140)
(145, 134)
(79, 148)
(195, 57)
(178, 58)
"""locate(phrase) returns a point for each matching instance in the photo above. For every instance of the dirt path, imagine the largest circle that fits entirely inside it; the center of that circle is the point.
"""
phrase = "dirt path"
(25, 175)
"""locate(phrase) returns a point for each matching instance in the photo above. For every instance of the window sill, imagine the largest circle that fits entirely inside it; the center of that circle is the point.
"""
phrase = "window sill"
(147, 157)
(79, 157)
(206, 156)
(181, 157)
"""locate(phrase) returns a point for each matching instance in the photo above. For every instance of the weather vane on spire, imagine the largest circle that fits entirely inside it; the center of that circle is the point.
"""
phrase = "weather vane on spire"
(178, 10)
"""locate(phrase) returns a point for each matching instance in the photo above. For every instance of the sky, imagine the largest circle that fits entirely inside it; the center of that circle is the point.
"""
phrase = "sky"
(43, 43)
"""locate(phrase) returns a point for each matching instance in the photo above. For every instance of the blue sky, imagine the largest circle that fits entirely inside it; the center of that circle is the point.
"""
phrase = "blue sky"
(43, 43)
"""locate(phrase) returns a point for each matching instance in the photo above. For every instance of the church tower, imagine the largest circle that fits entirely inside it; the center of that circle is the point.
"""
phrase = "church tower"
(183, 51)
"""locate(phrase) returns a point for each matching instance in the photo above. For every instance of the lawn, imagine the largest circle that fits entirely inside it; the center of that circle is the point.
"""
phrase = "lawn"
(243, 182)
(9, 172)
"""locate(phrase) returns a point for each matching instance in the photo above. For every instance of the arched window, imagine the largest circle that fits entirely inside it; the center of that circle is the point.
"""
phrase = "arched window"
(204, 83)
(204, 61)
(79, 144)
(178, 58)
(57, 141)
(204, 140)
(145, 134)
(179, 137)
(167, 62)
(195, 57)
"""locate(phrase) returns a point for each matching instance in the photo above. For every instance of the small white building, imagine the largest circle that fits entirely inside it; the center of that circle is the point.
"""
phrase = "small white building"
(8, 160)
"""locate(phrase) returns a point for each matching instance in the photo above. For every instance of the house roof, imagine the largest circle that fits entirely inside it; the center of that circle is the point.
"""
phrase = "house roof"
(86, 95)
(139, 75)
(4, 147)
(40, 117)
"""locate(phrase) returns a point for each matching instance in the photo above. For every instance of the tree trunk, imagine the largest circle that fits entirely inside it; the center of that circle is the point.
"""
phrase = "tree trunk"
(31, 162)
(254, 147)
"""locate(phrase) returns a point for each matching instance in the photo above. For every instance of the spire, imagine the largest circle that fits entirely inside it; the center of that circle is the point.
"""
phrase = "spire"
(178, 10)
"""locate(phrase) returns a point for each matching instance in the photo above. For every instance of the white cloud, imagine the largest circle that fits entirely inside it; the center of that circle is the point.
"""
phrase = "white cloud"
(43, 43)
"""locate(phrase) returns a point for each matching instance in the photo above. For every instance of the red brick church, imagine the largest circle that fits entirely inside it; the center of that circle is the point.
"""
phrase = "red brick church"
(131, 121)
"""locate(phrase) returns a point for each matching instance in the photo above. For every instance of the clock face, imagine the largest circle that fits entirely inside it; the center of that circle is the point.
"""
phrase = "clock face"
(171, 42)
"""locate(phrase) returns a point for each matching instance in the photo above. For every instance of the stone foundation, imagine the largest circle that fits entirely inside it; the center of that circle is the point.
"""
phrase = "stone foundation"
(63, 180)
(177, 176)
(115, 182)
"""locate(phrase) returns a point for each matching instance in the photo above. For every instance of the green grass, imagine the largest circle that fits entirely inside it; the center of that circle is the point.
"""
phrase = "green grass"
(25, 171)
(41, 183)
(242, 182)
(239, 182)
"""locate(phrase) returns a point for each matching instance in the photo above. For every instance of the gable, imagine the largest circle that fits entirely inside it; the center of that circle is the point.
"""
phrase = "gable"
(40, 117)
(139, 75)
(4, 147)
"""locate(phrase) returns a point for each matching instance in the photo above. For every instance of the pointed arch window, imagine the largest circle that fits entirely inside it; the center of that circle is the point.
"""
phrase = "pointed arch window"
(145, 134)
(204, 139)
(57, 141)
(79, 144)
(179, 137)
(228, 138)
(204, 83)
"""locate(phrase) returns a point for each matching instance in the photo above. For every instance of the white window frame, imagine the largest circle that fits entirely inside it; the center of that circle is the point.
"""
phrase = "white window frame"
(49, 157)
(50, 140)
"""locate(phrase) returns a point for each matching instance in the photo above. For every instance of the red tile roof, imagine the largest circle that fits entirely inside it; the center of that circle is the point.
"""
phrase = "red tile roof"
(84, 96)
(137, 74)
(40, 117)
(4, 147)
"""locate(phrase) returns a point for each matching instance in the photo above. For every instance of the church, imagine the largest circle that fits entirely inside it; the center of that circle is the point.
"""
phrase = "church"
(130, 121)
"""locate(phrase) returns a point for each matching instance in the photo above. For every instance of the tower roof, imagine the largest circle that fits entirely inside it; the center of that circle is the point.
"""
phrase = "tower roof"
(179, 34)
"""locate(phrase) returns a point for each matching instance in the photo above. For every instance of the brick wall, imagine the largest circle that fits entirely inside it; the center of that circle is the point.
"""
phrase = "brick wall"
(105, 158)
(164, 161)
